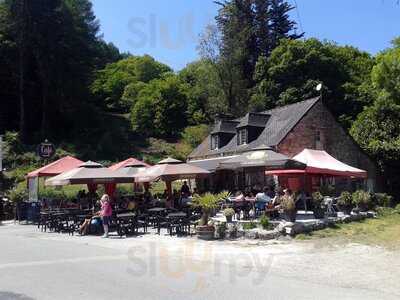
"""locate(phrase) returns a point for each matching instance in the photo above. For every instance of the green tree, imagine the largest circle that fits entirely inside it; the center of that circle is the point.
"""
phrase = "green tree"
(377, 128)
(245, 30)
(160, 108)
(202, 91)
(377, 131)
(116, 84)
(386, 72)
(194, 135)
(295, 67)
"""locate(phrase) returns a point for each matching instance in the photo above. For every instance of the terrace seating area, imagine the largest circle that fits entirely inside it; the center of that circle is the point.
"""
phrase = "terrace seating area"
(125, 223)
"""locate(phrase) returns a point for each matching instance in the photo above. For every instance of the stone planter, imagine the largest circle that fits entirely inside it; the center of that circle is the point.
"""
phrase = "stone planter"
(346, 209)
(205, 232)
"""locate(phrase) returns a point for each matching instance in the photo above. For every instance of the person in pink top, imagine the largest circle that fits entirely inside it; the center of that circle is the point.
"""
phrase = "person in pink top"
(105, 213)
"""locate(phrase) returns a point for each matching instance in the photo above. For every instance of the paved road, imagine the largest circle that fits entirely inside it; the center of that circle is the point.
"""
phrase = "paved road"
(36, 265)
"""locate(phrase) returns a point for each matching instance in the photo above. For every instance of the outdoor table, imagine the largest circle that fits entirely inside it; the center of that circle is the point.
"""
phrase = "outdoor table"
(126, 215)
(157, 209)
(177, 215)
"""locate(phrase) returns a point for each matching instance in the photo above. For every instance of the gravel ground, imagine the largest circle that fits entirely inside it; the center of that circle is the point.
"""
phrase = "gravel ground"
(290, 269)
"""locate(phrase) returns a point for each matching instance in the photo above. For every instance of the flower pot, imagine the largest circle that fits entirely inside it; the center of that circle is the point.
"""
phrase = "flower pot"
(290, 216)
(319, 213)
(205, 232)
(228, 219)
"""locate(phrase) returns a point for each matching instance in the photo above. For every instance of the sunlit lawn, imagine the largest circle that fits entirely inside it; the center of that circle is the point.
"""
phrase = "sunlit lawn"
(382, 231)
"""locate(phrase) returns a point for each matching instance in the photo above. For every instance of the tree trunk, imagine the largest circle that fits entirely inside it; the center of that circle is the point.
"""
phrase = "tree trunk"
(21, 90)
(22, 13)
(44, 108)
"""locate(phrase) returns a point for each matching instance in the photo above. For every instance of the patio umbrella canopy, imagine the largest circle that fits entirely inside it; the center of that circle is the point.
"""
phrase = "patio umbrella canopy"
(130, 162)
(129, 171)
(56, 167)
(169, 170)
(88, 173)
(320, 162)
(261, 157)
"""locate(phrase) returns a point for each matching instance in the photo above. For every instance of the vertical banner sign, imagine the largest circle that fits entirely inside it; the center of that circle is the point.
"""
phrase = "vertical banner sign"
(33, 185)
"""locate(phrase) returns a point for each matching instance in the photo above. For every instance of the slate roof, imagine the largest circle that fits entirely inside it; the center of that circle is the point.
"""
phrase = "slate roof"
(254, 119)
(225, 126)
(280, 122)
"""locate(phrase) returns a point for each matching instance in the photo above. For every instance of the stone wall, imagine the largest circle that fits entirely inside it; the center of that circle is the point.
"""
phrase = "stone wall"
(319, 130)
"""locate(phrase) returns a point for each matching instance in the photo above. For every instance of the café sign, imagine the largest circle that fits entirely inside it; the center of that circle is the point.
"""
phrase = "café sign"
(46, 150)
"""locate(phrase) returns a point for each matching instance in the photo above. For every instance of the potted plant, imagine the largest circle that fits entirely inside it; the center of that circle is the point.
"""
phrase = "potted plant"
(362, 200)
(317, 201)
(265, 222)
(345, 202)
(289, 208)
(228, 213)
(207, 202)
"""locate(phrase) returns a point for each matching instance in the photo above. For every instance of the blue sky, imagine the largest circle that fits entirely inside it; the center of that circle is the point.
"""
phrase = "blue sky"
(169, 29)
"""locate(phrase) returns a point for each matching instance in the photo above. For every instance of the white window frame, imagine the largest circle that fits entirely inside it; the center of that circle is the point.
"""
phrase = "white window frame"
(242, 136)
(214, 142)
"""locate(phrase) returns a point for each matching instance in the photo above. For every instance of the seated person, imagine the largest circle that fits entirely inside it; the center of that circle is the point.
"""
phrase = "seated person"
(131, 205)
(262, 199)
(165, 194)
(147, 197)
(239, 196)
(185, 190)
(176, 198)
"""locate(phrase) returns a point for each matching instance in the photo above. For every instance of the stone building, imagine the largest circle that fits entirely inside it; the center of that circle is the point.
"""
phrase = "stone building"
(288, 130)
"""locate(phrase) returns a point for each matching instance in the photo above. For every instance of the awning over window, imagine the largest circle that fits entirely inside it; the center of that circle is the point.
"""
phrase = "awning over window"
(210, 164)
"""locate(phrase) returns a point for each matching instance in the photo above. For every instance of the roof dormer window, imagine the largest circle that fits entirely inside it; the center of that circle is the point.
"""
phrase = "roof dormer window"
(214, 142)
(242, 136)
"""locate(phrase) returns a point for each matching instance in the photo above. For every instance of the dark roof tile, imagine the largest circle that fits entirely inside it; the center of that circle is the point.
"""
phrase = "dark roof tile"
(281, 121)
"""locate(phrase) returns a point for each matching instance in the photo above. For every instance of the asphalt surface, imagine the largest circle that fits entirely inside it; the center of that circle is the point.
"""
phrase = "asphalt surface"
(35, 265)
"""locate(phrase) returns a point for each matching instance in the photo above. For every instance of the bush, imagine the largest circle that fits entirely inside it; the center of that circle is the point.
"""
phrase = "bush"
(249, 226)
(288, 203)
(194, 135)
(229, 212)
(362, 199)
(385, 211)
(327, 190)
(264, 222)
(345, 199)
(18, 194)
(317, 199)
(382, 199)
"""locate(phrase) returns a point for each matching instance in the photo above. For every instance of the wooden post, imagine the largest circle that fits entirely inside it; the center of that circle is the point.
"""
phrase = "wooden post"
(169, 191)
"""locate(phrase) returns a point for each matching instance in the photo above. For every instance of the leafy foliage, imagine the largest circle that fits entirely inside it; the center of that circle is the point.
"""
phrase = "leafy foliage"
(362, 199)
(159, 107)
(265, 222)
(229, 212)
(295, 67)
(194, 135)
(118, 84)
(345, 199)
